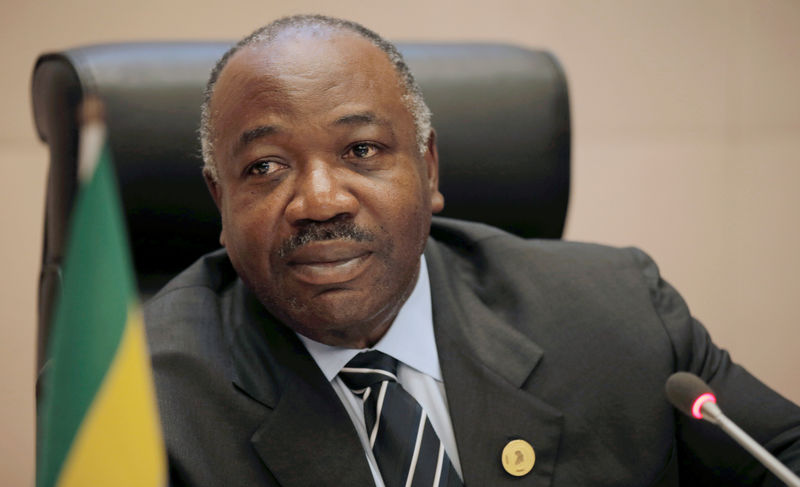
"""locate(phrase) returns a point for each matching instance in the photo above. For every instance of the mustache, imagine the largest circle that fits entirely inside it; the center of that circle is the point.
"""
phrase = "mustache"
(318, 232)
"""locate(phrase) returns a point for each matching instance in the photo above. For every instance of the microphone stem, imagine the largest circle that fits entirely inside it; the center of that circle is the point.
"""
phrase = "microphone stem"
(713, 414)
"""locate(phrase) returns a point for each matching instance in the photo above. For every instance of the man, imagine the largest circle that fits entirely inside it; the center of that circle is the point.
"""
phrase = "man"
(534, 363)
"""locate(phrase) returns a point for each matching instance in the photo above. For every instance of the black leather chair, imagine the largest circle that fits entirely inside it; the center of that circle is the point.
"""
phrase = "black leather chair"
(501, 113)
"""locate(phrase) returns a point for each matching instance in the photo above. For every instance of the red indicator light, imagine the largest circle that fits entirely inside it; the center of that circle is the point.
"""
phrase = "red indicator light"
(698, 404)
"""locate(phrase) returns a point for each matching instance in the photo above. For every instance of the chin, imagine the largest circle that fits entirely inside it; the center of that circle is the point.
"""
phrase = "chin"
(342, 318)
(336, 309)
(351, 314)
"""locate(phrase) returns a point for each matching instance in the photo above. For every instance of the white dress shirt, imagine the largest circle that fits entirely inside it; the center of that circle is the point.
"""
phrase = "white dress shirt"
(411, 341)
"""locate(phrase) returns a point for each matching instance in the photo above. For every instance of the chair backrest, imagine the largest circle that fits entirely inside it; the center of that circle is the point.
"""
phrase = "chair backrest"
(501, 113)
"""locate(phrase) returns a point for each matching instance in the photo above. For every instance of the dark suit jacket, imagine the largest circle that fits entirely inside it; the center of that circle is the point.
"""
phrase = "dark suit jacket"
(564, 345)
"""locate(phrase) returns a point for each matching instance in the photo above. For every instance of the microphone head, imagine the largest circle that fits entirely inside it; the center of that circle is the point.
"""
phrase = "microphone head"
(688, 393)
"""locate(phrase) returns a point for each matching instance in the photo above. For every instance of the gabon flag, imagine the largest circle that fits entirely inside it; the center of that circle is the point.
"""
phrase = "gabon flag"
(98, 418)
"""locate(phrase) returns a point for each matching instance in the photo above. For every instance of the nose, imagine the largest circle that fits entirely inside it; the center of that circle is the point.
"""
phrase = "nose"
(321, 193)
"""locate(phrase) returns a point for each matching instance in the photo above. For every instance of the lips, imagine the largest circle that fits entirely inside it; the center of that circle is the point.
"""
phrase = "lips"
(329, 262)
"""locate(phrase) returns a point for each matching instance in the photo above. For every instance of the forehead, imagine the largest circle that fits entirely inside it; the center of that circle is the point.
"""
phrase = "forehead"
(306, 74)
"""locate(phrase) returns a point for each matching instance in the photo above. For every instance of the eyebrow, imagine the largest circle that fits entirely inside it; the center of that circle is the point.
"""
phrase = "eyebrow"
(256, 133)
(361, 118)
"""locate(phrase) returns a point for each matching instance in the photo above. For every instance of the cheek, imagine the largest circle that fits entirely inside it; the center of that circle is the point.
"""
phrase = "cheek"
(407, 212)
(247, 224)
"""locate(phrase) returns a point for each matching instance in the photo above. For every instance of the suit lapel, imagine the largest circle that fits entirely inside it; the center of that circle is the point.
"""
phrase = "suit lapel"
(308, 439)
(485, 361)
(305, 436)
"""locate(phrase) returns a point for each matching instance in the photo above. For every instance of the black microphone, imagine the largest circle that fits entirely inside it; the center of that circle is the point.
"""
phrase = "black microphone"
(693, 397)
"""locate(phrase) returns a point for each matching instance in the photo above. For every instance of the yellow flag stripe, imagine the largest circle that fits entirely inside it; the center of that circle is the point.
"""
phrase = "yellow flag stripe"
(119, 442)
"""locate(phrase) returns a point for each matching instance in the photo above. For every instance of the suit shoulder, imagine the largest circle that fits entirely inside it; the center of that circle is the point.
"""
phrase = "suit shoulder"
(212, 271)
(191, 305)
(490, 246)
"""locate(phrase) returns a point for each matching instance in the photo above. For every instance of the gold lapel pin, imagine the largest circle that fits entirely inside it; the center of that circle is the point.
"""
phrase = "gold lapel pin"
(518, 457)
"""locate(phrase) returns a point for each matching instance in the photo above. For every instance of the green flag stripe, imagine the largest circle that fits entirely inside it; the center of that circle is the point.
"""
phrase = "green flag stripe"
(89, 318)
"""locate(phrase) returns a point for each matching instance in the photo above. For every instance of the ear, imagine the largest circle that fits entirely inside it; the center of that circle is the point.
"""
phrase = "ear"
(216, 193)
(431, 157)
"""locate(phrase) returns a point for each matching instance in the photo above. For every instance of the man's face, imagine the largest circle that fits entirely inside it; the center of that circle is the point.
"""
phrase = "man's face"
(325, 199)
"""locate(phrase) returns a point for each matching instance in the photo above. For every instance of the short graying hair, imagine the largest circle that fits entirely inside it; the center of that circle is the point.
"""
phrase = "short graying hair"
(412, 98)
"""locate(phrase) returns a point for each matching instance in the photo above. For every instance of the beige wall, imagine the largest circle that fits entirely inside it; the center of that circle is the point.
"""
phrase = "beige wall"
(686, 141)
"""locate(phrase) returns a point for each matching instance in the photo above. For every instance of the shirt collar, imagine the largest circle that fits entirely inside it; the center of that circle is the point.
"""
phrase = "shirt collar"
(410, 339)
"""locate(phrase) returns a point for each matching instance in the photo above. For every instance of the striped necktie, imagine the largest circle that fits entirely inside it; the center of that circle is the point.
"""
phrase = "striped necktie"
(407, 449)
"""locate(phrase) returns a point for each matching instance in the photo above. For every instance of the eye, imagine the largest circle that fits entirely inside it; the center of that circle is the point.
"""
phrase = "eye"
(362, 150)
(263, 168)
